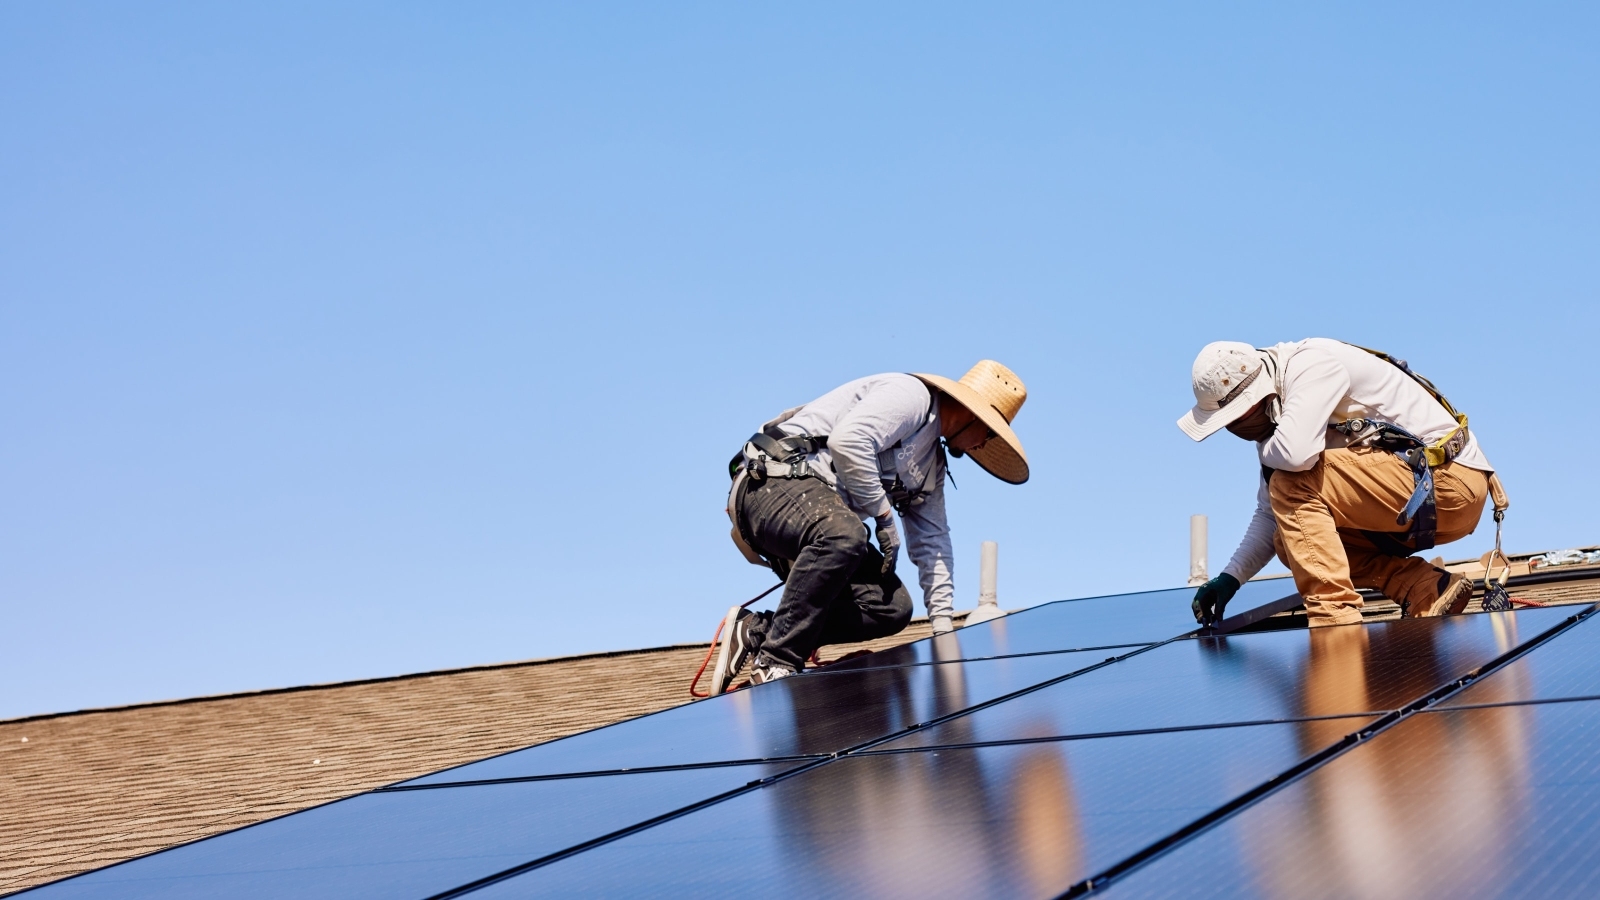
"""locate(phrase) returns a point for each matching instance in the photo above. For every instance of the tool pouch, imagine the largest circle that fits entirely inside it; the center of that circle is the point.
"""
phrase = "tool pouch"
(741, 480)
(1497, 493)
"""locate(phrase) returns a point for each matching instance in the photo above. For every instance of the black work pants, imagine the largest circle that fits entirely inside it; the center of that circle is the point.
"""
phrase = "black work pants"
(835, 592)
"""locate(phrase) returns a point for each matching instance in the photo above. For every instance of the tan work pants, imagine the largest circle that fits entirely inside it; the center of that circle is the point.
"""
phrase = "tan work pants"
(1322, 511)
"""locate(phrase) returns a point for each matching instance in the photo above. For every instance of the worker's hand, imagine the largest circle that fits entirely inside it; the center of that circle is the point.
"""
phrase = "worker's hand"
(888, 540)
(1212, 598)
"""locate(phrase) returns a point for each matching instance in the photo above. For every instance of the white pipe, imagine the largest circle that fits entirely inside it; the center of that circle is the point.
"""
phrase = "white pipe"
(988, 576)
(988, 573)
(1197, 550)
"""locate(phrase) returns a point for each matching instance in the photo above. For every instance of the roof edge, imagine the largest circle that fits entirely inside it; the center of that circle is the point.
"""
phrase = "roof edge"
(326, 685)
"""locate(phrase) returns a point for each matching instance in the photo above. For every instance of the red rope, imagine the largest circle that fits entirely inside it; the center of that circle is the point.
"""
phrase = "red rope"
(695, 683)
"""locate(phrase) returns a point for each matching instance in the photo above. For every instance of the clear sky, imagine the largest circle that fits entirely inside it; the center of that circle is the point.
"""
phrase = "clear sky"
(346, 340)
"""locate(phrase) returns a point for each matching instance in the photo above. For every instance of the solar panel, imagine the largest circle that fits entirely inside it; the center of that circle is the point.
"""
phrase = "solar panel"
(1483, 803)
(1017, 821)
(1253, 677)
(1093, 622)
(1000, 776)
(1567, 666)
(405, 843)
(812, 714)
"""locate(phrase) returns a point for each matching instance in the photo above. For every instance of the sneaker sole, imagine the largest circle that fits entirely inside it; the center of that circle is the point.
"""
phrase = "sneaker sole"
(1455, 597)
(720, 674)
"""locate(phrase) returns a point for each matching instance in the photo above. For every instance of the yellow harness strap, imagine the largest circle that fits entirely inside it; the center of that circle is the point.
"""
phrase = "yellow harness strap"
(1436, 453)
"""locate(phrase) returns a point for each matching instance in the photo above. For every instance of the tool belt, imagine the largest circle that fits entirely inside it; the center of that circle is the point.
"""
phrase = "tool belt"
(770, 453)
(1421, 512)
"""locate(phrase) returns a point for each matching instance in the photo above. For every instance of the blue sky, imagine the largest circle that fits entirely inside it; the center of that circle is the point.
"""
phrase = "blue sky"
(349, 340)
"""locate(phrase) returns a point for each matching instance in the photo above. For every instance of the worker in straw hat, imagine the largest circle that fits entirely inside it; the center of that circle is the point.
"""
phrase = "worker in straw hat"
(1364, 463)
(804, 485)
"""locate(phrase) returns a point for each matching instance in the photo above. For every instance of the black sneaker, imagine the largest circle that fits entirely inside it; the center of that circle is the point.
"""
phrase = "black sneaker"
(742, 632)
(765, 670)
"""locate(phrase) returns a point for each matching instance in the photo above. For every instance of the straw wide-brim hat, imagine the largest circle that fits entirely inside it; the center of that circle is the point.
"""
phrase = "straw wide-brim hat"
(994, 394)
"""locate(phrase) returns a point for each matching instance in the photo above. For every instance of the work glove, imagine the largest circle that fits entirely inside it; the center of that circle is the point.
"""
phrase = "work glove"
(1212, 598)
(888, 540)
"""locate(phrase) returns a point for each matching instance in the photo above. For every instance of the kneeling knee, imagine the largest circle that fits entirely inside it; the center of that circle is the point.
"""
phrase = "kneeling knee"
(850, 542)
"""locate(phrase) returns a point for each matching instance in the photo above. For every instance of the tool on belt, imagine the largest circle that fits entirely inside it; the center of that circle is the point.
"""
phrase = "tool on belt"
(1421, 511)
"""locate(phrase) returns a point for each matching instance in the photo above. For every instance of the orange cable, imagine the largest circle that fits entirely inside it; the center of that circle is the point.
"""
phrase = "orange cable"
(695, 682)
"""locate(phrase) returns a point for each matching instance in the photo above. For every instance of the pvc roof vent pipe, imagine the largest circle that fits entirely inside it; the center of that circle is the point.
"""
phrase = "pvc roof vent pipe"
(988, 602)
(1197, 551)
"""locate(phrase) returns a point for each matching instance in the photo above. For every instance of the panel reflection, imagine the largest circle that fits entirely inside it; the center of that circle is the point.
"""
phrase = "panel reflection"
(1490, 802)
(1268, 676)
(1018, 821)
(1567, 666)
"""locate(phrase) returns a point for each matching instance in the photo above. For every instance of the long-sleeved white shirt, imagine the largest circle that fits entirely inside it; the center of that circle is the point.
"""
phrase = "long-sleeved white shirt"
(1322, 382)
(878, 428)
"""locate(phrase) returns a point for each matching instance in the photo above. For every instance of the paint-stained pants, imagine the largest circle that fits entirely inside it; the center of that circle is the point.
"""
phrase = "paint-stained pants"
(1322, 512)
(835, 591)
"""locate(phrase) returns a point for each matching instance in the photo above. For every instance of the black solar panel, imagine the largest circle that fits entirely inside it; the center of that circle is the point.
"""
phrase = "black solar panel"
(1482, 803)
(1568, 666)
(1273, 675)
(1009, 775)
(1016, 821)
(813, 714)
(410, 843)
(1094, 622)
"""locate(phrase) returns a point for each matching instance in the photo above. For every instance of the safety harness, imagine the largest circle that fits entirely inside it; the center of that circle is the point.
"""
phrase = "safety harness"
(1421, 511)
(770, 453)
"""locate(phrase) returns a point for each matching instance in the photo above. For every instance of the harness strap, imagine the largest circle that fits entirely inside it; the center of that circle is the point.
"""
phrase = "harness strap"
(781, 456)
(1447, 447)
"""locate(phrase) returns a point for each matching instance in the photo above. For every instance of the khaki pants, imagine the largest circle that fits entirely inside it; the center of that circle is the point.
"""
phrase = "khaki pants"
(1322, 511)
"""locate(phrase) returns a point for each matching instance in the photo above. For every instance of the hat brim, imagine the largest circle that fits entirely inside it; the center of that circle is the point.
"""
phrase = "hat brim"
(1002, 455)
(1200, 424)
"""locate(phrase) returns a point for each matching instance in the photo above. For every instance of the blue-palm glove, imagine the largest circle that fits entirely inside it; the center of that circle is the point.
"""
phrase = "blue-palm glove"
(1212, 598)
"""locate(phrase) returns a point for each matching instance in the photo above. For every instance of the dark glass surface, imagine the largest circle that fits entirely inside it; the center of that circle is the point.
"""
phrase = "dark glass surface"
(1253, 677)
(1019, 821)
(404, 843)
(1481, 803)
(807, 714)
(1567, 666)
(1073, 625)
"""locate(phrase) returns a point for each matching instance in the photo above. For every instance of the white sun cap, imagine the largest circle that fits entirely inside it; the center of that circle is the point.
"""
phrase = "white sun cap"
(1228, 379)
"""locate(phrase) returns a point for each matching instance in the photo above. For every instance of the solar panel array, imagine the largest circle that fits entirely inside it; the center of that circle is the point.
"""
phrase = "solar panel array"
(1087, 744)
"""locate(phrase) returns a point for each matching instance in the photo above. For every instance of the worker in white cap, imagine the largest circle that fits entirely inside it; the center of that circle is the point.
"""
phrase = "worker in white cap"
(1363, 464)
(805, 483)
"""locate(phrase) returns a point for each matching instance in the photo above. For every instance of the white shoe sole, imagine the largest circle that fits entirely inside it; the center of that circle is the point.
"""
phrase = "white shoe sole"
(720, 674)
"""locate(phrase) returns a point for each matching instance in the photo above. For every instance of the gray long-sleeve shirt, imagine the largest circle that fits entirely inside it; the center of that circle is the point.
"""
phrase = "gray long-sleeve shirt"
(879, 428)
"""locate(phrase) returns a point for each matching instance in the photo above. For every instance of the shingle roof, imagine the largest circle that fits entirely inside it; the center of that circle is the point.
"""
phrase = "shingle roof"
(87, 789)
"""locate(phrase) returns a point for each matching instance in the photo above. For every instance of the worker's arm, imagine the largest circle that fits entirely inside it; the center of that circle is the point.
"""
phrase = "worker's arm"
(1255, 550)
(928, 545)
(1314, 384)
(890, 412)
